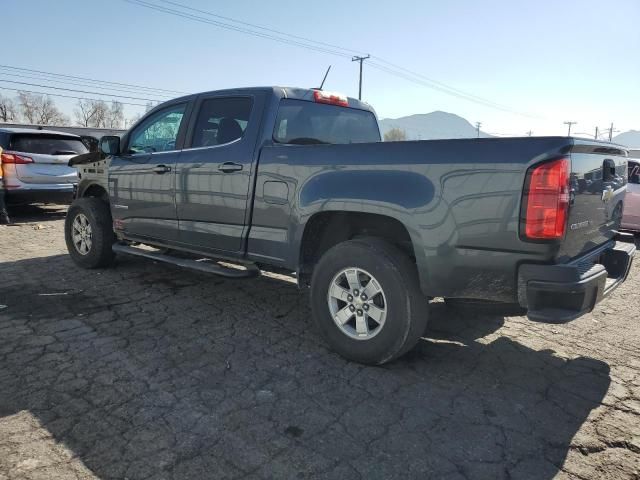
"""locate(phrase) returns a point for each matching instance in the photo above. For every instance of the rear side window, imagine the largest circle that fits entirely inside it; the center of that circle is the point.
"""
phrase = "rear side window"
(221, 120)
(307, 123)
(47, 144)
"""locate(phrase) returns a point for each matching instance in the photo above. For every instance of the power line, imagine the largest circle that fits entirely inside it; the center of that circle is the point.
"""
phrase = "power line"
(234, 27)
(66, 96)
(79, 91)
(318, 46)
(253, 25)
(73, 77)
(70, 82)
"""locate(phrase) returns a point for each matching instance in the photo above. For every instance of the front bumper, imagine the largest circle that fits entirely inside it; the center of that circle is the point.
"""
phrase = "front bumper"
(560, 293)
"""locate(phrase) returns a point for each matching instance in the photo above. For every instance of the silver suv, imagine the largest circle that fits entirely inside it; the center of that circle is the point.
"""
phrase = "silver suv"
(35, 167)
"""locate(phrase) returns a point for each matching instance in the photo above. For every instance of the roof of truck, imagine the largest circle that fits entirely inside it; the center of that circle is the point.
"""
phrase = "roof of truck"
(284, 92)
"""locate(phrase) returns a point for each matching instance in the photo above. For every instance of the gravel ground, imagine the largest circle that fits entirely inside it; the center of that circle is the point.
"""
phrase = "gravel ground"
(146, 371)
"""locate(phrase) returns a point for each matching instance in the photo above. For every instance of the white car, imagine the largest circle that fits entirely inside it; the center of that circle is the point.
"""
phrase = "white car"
(631, 214)
(35, 165)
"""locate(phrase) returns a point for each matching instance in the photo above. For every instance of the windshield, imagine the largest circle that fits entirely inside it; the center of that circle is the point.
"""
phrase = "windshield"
(47, 144)
(307, 123)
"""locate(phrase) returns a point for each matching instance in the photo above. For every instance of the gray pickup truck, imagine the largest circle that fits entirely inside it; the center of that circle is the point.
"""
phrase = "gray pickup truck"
(298, 179)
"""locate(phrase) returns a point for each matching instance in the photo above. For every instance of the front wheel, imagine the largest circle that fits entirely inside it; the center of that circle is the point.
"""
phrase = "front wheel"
(89, 233)
(366, 301)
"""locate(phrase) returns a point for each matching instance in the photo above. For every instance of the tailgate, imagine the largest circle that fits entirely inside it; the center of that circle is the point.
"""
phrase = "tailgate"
(46, 169)
(47, 156)
(597, 190)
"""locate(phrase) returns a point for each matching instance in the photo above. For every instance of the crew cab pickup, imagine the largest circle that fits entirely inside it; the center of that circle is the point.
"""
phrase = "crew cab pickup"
(299, 179)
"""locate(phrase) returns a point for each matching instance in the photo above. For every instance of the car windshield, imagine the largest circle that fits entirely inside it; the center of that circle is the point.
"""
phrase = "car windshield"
(307, 123)
(47, 144)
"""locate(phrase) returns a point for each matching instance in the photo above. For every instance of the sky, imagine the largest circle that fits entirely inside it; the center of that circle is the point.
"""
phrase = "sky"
(544, 61)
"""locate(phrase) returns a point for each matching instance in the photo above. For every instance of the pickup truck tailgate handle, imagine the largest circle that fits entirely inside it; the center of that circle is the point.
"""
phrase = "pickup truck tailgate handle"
(161, 169)
(229, 167)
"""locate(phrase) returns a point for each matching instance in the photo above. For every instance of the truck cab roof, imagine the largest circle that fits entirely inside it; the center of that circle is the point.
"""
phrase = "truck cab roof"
(295, 93)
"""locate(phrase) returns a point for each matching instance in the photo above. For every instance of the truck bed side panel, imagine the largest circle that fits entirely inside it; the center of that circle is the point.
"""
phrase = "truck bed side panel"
(458, 199)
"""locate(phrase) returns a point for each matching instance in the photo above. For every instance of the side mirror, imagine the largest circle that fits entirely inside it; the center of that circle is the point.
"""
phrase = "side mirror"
(110, 145)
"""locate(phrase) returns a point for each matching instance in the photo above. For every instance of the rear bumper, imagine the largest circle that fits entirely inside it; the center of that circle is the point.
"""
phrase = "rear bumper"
(560, 293)
(61, 195)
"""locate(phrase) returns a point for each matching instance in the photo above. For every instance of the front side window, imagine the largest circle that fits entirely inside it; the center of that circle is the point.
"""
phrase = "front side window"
(221, 120)
(159, 132)
(307, 123)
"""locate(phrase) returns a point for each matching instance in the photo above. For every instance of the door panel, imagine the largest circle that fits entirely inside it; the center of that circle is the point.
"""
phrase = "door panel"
(213, 177)
(143, 199)
(142, 181)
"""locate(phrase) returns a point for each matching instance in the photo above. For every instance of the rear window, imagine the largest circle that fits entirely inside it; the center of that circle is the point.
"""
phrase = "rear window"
(307, 123)
(47, 144)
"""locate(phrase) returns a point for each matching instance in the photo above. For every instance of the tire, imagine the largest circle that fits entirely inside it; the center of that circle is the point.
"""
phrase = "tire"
(405, 307)
(99, 237)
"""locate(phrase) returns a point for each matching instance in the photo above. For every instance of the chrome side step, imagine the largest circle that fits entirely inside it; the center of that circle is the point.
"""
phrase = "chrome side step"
(200, 265)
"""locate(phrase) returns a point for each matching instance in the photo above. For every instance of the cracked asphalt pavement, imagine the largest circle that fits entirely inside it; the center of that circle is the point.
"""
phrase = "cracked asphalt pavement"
(146, 371)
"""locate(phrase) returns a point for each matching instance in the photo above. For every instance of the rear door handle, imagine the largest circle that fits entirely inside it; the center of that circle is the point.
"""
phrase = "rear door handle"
(229, 167)
(161, 169)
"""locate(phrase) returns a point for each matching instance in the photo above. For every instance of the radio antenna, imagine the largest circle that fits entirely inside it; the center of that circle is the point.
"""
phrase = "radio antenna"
(325, 77)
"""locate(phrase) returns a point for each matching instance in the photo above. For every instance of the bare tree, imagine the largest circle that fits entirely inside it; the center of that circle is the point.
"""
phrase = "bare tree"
(85, 112)
(8, 110)
(131, 120)
(101, 114)
(395, 135)
(115, 117)
(40, 109)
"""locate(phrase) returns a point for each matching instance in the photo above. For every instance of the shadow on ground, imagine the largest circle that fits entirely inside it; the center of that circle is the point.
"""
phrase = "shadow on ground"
(36, 213)
(144, 371)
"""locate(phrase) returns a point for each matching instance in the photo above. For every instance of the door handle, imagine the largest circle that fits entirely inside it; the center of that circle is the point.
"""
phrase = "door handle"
(161, 169)
(229, 167)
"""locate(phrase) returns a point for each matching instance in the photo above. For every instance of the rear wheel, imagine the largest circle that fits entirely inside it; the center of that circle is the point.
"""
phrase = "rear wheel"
(89, 233)
(366, 301)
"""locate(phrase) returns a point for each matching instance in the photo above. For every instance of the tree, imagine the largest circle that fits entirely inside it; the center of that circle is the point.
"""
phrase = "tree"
(115, 117)
(8, 111)
(85, 112)
(40, 109)
(132, 120)
(395, 135)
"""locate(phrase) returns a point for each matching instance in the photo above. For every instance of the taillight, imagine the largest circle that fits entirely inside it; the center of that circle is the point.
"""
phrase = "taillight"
(14, 158)
(320, 96)
(546, 200)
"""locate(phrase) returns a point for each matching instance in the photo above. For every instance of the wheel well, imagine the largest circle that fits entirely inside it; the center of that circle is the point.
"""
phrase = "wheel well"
(326, 229)
(96, 191)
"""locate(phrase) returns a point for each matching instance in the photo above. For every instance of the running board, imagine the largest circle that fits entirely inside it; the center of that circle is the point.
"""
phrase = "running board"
(199, 265)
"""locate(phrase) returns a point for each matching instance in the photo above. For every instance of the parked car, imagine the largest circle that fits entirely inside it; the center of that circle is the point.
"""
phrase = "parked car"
(35, 165)
(631, 214)
(299, 179)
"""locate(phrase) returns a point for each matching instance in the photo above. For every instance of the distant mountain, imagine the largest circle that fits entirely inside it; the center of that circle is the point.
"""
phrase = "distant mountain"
(431, 126)
(628, 139)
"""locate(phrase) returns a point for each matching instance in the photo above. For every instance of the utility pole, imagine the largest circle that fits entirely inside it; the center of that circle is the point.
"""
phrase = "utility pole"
(529, 133)
(478, 125)
(361, 60)
(611, 131)
(569, 123)
(595, 137)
